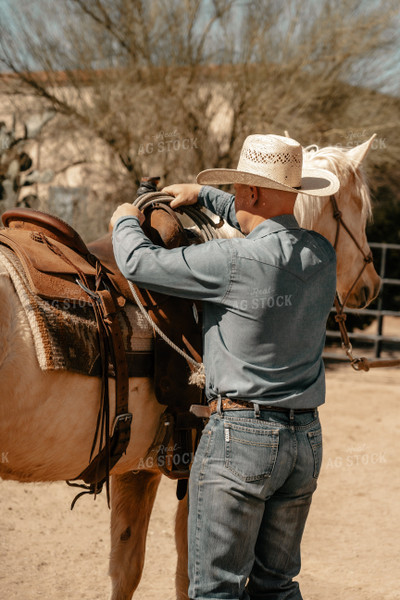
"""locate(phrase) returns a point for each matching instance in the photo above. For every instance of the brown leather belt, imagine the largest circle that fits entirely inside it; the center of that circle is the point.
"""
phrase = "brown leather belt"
(229, 404)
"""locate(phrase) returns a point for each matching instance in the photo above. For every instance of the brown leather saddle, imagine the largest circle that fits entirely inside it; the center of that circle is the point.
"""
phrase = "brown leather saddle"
(52, 253)
(59, 265)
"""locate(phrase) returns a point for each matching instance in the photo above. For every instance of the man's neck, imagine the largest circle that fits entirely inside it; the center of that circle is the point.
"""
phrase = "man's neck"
(255, 205)
(252, 221)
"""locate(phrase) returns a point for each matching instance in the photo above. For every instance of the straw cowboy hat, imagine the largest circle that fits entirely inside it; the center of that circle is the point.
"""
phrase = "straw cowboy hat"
(273, 161)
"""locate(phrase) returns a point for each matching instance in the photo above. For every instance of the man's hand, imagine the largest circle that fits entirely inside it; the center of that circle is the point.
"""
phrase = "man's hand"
(184, 193)
(126, 210)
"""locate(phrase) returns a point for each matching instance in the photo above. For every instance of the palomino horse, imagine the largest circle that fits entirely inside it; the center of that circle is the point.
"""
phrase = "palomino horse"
(47, 419)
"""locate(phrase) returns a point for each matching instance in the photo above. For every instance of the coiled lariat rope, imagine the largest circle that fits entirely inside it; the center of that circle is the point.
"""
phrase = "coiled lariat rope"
(207, 231)
(206, 226)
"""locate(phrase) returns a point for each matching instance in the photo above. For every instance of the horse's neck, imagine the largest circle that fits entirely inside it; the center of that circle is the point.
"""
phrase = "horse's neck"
(308, 211)
(226, 231)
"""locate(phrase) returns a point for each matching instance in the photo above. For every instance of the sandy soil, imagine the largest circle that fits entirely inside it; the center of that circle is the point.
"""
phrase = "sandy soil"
(351, 543)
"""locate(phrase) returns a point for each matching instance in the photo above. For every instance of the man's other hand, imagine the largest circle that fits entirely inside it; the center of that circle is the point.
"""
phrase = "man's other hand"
(184, 193)
(126, 210)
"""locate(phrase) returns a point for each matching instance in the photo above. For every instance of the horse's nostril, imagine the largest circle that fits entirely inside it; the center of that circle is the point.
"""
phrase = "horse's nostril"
(367, 295)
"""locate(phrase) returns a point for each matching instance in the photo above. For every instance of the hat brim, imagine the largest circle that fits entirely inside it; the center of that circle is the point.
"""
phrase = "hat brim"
(314, 182)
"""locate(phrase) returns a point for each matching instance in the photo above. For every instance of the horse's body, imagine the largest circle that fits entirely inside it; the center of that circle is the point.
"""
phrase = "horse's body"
(47, 419)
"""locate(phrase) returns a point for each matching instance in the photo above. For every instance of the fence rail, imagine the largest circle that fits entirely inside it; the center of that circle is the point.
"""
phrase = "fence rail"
(378, 340)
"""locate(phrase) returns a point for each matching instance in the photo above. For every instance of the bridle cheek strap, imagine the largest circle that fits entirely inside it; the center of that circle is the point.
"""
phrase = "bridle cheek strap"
(363, 363)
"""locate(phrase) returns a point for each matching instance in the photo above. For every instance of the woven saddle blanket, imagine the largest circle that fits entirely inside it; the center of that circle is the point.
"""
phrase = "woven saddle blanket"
(65, 335)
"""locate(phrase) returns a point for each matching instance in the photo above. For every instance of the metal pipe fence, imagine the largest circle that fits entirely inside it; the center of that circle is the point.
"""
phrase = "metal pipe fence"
(378, 342)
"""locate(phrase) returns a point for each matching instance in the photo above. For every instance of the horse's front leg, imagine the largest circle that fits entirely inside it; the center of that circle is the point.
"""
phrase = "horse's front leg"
(132, 499)
(181, 578)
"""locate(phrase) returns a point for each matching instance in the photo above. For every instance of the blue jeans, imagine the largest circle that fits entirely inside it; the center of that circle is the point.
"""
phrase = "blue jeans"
(250, 491)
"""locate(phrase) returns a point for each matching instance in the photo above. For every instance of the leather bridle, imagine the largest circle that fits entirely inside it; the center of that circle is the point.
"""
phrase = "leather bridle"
(367, 258)
(358, 363)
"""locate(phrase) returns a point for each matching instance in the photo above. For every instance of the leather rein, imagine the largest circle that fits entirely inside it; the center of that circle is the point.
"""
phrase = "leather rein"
(358, 363)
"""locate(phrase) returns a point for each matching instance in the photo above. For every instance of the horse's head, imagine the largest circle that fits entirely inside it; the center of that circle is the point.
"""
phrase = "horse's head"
(342, 220)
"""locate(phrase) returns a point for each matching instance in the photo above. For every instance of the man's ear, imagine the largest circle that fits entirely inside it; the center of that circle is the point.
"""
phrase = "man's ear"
(253, 195)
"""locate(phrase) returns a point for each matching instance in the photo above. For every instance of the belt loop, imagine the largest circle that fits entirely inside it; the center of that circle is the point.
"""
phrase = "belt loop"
(291, 419)
(315, 413)
(219, 405)
(256, 410)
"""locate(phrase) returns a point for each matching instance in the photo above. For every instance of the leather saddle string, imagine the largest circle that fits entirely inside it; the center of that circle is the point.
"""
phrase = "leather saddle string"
(103, 414)
(111, 446)
(109, 333)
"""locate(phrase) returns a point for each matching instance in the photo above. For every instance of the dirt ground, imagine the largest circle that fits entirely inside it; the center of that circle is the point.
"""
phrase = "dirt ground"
(351, 543)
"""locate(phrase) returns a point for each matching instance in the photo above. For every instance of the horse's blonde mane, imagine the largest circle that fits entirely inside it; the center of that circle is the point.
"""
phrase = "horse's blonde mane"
(337, 160)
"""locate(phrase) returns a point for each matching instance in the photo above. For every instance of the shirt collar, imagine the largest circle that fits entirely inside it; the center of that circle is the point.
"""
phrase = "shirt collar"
(279, 223)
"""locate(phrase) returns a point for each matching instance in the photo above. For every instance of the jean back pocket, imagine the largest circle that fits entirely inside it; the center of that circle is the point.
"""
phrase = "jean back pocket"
(250, 452)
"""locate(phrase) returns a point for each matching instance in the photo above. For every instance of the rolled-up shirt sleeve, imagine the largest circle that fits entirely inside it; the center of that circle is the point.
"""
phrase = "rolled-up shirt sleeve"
(200, 272)
(220, 203)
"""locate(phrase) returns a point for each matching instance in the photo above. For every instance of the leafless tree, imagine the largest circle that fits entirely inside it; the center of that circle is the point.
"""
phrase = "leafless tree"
(18, 170)
(169, 87)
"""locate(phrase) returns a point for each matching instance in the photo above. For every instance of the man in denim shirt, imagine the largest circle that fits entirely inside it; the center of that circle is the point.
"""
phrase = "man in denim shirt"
(266, 300)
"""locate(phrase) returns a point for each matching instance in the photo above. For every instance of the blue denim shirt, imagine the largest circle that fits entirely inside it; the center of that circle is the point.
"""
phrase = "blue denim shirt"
(266, 301)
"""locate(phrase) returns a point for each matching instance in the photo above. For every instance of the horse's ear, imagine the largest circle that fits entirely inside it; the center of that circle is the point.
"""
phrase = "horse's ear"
(360, 152)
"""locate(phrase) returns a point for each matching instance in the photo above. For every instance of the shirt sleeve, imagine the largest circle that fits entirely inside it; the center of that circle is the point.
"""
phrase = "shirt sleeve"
(199, 272)
(220, 203)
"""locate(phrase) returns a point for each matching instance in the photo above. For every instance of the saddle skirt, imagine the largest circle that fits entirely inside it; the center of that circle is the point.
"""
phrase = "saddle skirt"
(64, 328)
